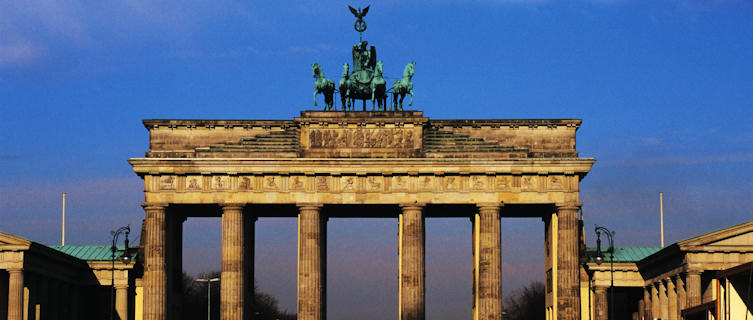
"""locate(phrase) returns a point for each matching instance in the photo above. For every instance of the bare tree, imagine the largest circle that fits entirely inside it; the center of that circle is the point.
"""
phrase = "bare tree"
(526, 303)
(195, 300)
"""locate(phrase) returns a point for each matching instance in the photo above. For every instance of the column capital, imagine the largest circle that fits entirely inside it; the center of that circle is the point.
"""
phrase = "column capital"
(232, 206)
(694, 272)
(309, 206)
(121, 286)
(15, 270)
(489, 205)
(415, 205)
(154, 205)
(568, 206)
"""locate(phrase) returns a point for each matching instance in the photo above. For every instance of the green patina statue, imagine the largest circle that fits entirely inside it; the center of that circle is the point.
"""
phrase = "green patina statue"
(324, 86)
(366, 82)
(403, 86)
(378, 88)
(343, 86)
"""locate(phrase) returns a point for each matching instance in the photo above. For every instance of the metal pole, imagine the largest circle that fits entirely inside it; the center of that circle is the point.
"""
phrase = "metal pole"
(115, 234)
(661, 216)
(62, 242)
(209, 294)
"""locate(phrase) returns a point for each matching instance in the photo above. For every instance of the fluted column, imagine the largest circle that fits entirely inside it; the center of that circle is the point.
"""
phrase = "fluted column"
(693, 288)
(155, 266)
(311, 263)
(671, 300)
(655, 301)
(647, 309)
(232, 286)
(663, 300)
(487, 263)
(681, 297)
(412, 290)
(600, 301)
(121, 301)
(568, 275)
(15, 294)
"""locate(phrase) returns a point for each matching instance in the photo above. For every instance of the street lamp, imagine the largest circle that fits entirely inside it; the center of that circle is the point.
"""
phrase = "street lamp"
(600, 258)
(125, 258)
(209, 295)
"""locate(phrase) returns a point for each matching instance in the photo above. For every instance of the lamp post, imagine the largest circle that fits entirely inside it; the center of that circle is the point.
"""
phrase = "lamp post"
(600, 258)
(209, 294)
(125, 258)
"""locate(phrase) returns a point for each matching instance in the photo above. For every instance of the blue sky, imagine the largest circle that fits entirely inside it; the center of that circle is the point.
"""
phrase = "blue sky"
(664, 88)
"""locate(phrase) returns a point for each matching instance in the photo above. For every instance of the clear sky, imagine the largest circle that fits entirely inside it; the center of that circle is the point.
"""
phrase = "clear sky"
(664, 88)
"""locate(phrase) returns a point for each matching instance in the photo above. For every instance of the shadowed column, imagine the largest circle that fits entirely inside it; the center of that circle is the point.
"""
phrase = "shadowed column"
(487, 261)
(568, 275)
(681, 298)
(671, 300)
(412, 275)
(600, 300)
(647, 311)
(121, 301)
(693, 288)
(232, 286)
(155, 268)
(311, 263)
(663, 301)
(655, 302)
(15, 294)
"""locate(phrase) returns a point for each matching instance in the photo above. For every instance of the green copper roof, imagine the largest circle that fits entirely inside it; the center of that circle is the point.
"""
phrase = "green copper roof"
(90, 253)
(625, 254)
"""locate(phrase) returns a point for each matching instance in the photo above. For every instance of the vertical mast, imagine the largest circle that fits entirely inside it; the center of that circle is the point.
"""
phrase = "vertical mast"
(661, 216)
(62, 242)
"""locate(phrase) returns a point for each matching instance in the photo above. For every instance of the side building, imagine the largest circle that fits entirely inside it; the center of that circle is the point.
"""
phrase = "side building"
(705, 277)
(66, 282)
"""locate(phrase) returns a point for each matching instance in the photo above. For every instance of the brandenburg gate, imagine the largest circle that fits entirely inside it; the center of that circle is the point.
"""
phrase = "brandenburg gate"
(360, 164)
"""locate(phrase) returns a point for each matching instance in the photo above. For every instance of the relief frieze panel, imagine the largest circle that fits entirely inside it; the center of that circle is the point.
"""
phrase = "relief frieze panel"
(362, 138)
(194, 183)
(366, 183)
(375, 184)
(246, 183)
(220, 183)
(167, 183)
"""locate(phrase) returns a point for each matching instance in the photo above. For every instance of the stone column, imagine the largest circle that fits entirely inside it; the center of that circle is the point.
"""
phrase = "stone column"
(681, 297)
(232, 286)
(15, 294)
(155, 268)
(487, 259)
(248, 255)
(601, 303)
(664, 309)
(412, 273)
(121, 301)
(655, 302)
(568, 275)
(671, 300)
(647, 310)
(174, 263)
(693, 288)
(310, 263)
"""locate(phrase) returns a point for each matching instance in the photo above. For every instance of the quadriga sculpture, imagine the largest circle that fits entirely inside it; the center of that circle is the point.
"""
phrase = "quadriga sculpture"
(378, 88)
(344, 83)
(403, 86)
(324, 86)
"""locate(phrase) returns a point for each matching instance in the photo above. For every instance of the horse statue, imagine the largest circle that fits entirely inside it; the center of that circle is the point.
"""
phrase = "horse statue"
(344, 85)
(324, 86)
(403, 86)
(378, 88)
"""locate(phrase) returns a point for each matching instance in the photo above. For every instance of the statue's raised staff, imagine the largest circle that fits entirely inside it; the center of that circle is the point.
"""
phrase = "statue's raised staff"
(324, 86)
(403, 86)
